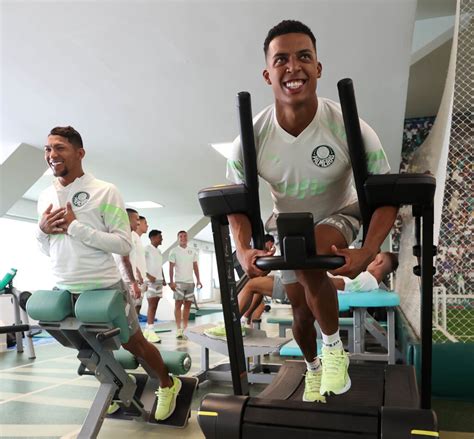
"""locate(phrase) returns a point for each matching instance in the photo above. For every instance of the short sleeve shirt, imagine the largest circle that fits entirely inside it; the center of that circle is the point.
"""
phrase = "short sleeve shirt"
(311, 172)
(183, 258)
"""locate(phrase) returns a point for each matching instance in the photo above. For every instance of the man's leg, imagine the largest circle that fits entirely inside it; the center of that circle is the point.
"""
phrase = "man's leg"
(177, 313)
(321, 297)
(186, 312)
(170, 386)
(257, 285)
(141, 348)
(257, 311)
(153, 299)
(305, 335)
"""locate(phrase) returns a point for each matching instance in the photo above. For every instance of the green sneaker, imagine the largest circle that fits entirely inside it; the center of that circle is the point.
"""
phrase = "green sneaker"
(114, 406)
(219, 332)
(312, 384)
(167, 399)
(335, 377)
(151, 336)
(179, 334)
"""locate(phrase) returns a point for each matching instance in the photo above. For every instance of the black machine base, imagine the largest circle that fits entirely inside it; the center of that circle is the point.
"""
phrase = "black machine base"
(369, 410)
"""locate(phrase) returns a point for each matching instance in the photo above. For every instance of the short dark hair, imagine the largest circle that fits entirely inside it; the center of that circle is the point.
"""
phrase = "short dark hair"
(181, 231)
(70, 134)
(130, 210)
(393, 260)
(288, 27)
(268, 237)
(142, 217)
(153, 233)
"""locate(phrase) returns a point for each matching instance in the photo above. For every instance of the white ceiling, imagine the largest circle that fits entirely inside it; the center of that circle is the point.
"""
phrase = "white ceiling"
(149, 84)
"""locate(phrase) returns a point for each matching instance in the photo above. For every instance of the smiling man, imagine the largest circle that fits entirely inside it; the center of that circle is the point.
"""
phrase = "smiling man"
(302, 153)
(82, 222)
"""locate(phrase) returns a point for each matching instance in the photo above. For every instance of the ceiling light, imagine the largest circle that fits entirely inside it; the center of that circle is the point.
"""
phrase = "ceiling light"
(224, 149)
(144, 204)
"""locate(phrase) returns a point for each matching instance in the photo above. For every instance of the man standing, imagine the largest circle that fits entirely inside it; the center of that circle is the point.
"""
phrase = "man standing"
(140, 259)
(155, 282)
(184, 260)
(302, 153)
(82, 222)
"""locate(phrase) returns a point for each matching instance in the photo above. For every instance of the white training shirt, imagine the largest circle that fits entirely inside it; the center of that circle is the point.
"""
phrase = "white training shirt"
(82, 258)
(184, 259)
(132, 257)
(311, 172)
(365, 281)
(154, 262)
(140, 254)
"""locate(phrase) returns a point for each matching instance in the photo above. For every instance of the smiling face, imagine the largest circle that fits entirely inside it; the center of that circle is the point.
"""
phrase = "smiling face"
(64, 159)
(183, 239)
(292, 69)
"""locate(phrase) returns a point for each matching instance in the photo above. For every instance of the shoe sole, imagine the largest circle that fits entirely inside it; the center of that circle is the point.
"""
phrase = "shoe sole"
(339, 392)
(322, 401)
(174, 402)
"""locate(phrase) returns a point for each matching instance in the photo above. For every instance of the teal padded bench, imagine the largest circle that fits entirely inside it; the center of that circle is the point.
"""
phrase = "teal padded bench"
(359, 324)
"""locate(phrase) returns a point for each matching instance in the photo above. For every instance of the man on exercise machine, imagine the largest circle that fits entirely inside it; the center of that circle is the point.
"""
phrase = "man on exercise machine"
(302, 153)
(82, 222)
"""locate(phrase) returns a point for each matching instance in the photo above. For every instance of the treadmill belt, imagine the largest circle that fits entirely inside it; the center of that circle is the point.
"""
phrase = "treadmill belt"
(367, 388)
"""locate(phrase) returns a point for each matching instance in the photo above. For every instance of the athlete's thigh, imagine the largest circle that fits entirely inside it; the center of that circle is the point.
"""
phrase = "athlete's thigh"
(262, 285)
(326, 236)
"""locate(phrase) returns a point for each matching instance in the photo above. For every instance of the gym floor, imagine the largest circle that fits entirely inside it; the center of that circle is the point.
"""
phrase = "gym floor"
(45, 398)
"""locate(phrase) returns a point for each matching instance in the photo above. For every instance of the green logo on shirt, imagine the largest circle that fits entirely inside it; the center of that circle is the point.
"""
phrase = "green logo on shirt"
(323, 156)
(80, 198)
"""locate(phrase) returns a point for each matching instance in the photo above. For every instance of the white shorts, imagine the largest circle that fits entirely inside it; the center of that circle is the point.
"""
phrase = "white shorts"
(184, 291)
(347, 221)
(155, 289)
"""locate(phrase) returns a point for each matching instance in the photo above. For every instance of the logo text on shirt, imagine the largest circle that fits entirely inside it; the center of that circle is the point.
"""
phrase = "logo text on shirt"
(323, 156)
(80, 198)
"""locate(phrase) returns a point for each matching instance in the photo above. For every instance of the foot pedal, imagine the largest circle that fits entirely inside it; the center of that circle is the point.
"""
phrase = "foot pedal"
(182, 412)
(130, 412)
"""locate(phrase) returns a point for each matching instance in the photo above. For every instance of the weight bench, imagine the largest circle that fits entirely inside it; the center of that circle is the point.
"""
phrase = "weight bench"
(96, 325)
(358, 325)
(21, 317)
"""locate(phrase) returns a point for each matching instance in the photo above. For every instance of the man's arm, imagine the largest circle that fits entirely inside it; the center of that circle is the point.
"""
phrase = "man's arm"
(242, 233)
(357, 259)
(163, 274)
(50, 223)
(172, 283)
(196, 273)
(338, 283)
(127, 265)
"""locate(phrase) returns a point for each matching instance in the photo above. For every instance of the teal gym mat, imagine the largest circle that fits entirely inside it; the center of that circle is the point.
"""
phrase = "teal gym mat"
(203, 312)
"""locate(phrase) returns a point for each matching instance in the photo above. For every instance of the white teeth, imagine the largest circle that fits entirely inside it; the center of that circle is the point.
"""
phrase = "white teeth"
(294, 84)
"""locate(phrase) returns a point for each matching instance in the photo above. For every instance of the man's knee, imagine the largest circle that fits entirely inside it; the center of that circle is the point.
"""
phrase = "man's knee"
(136, 344)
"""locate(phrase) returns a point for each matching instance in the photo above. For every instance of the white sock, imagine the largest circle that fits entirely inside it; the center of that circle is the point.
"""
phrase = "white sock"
(332, 341)
(313, 366)
(150, 327)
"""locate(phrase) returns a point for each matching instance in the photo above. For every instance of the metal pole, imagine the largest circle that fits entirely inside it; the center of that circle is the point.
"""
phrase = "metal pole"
(230, 305)
(427, 273)
(356, 147)
(249, 155)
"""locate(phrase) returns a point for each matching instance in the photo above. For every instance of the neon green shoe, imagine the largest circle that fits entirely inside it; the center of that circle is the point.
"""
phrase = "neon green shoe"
(335, 377)
(179, 334)
(312, 385)
(167, 399)
(114, 406)
(151, 336)
(219, 332)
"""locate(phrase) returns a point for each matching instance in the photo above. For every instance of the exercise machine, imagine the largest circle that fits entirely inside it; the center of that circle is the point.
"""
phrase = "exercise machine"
(19, 300)
(384, 400)
(95, 324)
